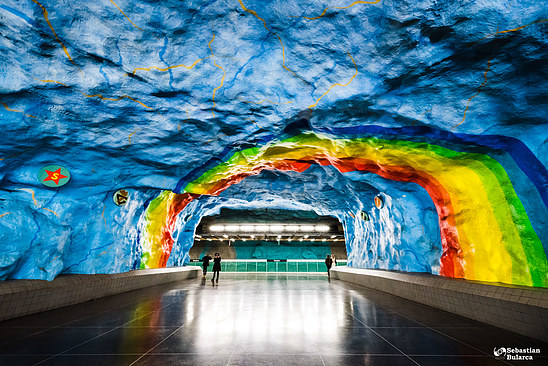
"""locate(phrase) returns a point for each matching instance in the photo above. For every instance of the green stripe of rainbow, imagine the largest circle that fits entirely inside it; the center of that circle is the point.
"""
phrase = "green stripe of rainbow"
(486, 234)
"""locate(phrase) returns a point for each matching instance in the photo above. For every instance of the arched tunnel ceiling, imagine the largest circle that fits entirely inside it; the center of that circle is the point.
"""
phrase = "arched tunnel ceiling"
(438, 106)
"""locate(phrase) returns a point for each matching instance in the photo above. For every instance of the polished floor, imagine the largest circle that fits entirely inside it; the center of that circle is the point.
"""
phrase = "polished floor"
(254, 319)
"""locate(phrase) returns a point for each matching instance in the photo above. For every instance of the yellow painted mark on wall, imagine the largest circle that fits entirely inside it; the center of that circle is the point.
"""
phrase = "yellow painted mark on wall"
(45, 12)
(515, 29)
(187, 117)
(255, 14)
(343, 7)
(337, 84)
(106, 251)
(90, 187)
(276, 35)
(36, 202)
(47, 209)
(262, 101)
(423, 113)
(31, 192)
(283, 59)
(249, 119)
(104, 219)
(16, 110)
(5, 214)
(473, 96)
(124, 14)
(222, 79)
(14, 155)
(100, 96)
(319, 16)
(131, 134)
(167, 68)
(357, 3)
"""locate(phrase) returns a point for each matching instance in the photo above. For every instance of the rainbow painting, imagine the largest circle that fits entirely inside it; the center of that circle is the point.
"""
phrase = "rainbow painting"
(486, 234)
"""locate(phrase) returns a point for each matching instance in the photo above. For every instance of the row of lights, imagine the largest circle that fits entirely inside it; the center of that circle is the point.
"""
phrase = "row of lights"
(279, 237)
(275, 228)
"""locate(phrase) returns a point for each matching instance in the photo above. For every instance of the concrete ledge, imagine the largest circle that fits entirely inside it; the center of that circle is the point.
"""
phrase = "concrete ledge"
(23, 297)
(523, 310)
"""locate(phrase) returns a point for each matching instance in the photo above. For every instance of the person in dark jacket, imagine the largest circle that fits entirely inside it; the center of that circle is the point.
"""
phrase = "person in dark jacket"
(205, 263)
(328, 263)
(216, 266)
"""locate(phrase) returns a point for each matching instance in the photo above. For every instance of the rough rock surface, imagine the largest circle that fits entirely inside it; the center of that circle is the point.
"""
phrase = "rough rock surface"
(150, 96)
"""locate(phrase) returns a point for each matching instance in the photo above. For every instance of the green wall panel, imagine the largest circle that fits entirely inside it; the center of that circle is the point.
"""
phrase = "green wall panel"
(263, 266)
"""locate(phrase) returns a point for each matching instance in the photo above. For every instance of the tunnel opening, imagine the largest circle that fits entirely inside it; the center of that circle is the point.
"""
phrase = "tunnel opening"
(392, 233)
(269, 240)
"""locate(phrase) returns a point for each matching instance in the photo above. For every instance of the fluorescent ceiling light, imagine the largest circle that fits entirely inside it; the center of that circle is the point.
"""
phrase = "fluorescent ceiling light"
(247, 227)
(276, 228)
(292, 228)
(307, 228)
(261, 228)
(322, 228)
(216, 228)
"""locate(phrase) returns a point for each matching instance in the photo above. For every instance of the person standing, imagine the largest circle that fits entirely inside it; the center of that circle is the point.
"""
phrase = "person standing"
(216, 266)
(205, 264)
(328, 263)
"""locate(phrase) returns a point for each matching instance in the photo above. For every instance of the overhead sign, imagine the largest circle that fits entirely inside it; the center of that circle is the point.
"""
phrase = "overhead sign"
(120, 197)
(53, 176)
(379, 202)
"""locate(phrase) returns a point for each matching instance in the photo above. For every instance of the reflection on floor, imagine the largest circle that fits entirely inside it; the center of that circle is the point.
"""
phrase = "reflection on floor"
(254, 319)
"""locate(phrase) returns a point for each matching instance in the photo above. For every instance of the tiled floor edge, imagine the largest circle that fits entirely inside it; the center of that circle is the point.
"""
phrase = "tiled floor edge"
(518, 309)
(24, 297)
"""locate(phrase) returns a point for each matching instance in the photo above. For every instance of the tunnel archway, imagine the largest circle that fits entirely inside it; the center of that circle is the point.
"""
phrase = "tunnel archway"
(459, 183)
(403, 235)
(269, 240)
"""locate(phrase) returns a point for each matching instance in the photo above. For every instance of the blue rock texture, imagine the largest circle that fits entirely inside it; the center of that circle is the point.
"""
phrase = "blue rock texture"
(139, 94)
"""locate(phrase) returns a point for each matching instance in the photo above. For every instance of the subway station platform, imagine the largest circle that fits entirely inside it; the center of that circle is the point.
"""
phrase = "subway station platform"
(254, 319)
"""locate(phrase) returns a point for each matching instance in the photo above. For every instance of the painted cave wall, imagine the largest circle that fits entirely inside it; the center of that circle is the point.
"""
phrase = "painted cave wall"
(438, 107)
